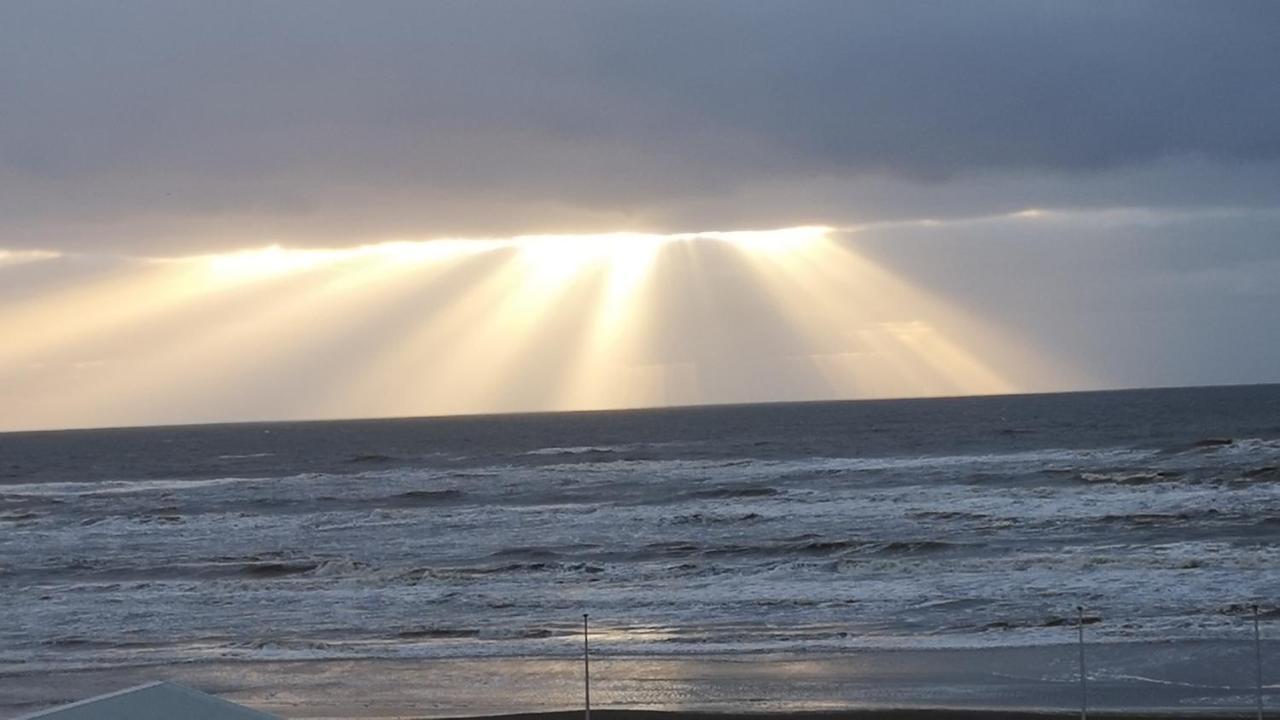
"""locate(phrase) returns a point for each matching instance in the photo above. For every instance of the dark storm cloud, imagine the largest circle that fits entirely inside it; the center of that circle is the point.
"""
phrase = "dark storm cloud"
(933, 88)
(159, 127)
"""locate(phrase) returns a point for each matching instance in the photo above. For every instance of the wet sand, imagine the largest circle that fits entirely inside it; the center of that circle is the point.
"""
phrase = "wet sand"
(862, 714)
(1139, 680)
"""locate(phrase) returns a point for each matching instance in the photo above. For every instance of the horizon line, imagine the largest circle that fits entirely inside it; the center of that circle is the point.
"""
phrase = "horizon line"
(638, 408)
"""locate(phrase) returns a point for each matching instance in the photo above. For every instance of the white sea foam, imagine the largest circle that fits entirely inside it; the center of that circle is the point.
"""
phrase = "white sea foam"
(724, 555)
(580, 450)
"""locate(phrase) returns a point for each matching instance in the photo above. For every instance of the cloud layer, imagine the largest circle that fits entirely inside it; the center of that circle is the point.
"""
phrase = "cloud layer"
(167, 127)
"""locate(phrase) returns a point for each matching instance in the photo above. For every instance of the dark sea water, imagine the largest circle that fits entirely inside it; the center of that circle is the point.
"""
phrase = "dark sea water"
(825, 529)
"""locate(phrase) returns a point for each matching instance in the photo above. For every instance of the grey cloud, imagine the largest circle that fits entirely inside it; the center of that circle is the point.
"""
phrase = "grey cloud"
(928, 88)
(175, 126)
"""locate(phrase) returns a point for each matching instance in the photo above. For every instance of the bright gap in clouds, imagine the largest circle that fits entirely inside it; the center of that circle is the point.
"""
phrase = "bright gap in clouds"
(20, 257)
(563, 322)
(566, 252)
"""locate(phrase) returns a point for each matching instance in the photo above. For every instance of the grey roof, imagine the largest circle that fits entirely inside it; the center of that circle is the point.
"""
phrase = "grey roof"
(153, 701)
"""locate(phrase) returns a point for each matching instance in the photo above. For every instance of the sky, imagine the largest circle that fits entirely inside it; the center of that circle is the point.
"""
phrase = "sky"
(251, 210)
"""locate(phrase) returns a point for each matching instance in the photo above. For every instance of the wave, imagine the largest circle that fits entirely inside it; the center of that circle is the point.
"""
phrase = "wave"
(997, 465)
(1053, 621)
(417, 575)
(97, 573)
(433, 633)
(1157, 519)
(713, 519)
(540, 552)
(725, 493)
(1225, 446)
(108, 488)
(1032, 459)
(674, 549)
(950, 515)
(580, 450)
(578, 559)
(162, 516)
(912, 547)
(270, 570)
(369, 458)
(1130, 477)
(800, 546)
(77, 642)
(1246, 610)
(419, 498)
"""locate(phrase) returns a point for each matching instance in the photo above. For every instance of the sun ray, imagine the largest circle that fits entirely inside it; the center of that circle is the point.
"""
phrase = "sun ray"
(488, 325)
(882, 325)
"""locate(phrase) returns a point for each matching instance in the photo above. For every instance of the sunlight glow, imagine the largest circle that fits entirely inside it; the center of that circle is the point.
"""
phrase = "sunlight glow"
(21, 257)
(537, 322)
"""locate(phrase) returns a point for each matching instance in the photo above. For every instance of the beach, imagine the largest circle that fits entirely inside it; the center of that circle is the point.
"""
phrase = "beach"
(1179, 679)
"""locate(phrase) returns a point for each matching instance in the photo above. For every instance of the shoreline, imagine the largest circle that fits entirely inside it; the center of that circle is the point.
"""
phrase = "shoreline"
(929, 713)
(1140, 681)
(855, 713)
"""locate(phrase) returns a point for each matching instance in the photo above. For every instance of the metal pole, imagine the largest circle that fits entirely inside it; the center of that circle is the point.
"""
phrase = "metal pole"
(1257, 656)
(586, 667)
(1084, 680)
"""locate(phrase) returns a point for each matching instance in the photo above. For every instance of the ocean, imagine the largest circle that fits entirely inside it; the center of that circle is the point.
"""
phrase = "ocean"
(727, 534)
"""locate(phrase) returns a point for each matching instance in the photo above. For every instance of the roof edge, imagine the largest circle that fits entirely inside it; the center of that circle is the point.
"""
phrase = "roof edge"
(86, 701)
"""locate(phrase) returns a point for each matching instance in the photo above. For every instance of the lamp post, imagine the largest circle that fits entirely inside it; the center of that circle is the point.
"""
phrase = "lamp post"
(1257, 657)
(1084, 680)
(586, 668)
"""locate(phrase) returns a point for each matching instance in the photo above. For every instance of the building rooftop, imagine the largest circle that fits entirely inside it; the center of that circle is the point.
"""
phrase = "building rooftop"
(153, 701)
